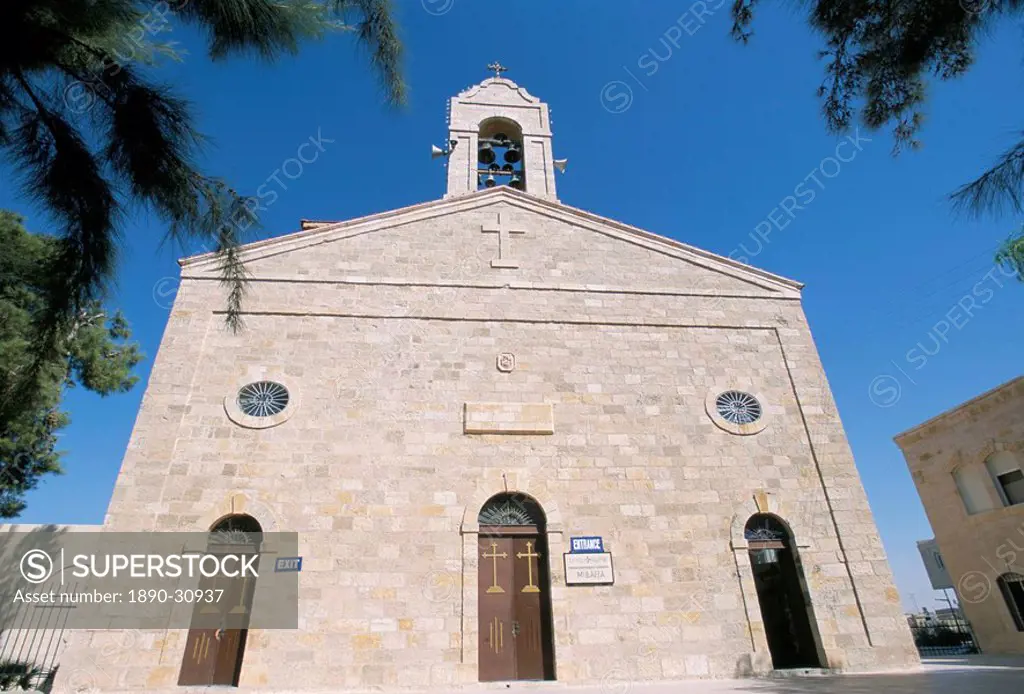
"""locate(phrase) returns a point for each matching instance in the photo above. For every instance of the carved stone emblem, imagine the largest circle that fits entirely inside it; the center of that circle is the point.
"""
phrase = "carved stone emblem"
(506, 362)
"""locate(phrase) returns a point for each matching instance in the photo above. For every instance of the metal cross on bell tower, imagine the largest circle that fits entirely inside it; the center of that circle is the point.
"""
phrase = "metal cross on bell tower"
(498, 68)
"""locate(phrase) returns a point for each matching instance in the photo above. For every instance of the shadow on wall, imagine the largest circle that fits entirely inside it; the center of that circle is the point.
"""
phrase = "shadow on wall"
(31, 635)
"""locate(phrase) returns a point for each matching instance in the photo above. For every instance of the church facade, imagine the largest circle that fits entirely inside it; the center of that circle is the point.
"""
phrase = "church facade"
(518, 441)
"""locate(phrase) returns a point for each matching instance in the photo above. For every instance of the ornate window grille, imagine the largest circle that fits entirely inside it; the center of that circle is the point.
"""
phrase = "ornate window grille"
(737, 407)
(510, 510)
(765, 538)
(262, 399)
(237, 533)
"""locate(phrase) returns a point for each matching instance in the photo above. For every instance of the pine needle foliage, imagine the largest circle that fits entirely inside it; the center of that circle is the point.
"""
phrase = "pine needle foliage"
(92, 350)
(90, 133)
(879, 58)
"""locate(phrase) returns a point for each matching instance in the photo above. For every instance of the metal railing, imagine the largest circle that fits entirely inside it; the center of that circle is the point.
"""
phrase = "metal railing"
(30, 642)
(944, 638)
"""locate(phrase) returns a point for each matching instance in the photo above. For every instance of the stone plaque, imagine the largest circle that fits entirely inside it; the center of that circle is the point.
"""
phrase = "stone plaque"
(592, 569)
(508, 418)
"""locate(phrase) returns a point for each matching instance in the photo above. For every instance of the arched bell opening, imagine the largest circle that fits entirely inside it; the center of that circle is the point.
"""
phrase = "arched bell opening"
(500, 158)
(514, 581)
(216, 640)
(789, 623)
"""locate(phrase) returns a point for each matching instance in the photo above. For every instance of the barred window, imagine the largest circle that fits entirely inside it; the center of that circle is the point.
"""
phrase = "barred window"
(262, 399)
(737, 407)
(510, 509)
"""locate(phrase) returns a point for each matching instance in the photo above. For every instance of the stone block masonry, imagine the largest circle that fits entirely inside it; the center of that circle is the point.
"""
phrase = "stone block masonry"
(499, 342)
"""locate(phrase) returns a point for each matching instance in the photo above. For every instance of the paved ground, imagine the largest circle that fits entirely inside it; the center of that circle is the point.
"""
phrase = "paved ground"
(962, 675)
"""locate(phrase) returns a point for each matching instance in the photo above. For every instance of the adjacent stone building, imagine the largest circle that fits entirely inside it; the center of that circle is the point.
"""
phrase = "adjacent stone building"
(440, 398)
(967, 465)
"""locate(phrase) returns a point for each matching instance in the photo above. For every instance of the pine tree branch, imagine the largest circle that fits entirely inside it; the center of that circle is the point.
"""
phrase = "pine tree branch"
(378, 31)
(1001, 186)
(1011, 255)
(146, 136)
(65, 175)
(41, 109)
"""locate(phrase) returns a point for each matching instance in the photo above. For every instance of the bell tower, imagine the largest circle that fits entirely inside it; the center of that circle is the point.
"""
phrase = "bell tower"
(499, 134)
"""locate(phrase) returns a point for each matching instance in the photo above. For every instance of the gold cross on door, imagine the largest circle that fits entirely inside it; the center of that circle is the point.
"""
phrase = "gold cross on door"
(494, 556)
(529, 555)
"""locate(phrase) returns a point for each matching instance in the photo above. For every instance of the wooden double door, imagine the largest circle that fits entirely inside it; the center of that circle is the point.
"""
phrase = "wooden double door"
(212, 656)
(515, 606)
(216, 642)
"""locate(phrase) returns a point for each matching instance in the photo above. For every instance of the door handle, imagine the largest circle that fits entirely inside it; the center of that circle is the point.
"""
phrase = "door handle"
(515, 628)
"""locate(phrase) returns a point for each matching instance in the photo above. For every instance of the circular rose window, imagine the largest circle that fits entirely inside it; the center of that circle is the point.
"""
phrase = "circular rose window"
(262, 399)
(737, 407)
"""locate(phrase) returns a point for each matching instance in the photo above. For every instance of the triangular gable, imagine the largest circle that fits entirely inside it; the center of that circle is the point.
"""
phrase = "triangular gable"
(676, 261)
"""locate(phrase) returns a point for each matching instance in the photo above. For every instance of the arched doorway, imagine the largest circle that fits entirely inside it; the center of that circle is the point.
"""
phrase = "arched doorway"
(514, 591)
(788, 622)
(216, 640)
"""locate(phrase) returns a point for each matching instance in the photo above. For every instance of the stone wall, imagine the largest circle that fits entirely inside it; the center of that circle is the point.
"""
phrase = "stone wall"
(977, 548)
(383, 339)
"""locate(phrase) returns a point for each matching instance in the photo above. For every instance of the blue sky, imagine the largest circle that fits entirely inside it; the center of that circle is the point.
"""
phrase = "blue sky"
(670, 126)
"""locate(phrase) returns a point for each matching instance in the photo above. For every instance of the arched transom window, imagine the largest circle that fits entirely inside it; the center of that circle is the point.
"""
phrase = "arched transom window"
(509, 509)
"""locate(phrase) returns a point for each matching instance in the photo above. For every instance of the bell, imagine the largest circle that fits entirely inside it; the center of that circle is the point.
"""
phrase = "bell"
(513, 154)
(516, 182)
(486, 153)
(494, 168)
(765, 556)
(507, 168)
(490, 181)
(500, 137)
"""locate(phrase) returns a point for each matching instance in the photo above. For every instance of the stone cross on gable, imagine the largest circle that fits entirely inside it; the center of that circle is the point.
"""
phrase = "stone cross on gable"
(504, 232)
(498, 68)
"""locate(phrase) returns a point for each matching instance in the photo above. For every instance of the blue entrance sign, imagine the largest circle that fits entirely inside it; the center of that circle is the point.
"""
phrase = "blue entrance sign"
(586, 545)
(288, 564)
